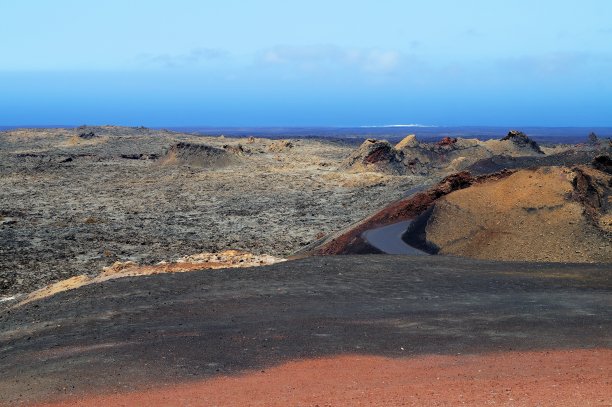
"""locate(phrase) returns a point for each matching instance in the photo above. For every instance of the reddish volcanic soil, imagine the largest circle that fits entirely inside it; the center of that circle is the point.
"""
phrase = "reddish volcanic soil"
(328, 330)
(542, 378)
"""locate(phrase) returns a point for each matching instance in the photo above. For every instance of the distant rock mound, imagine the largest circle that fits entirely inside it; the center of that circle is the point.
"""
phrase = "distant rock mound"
(198, 155)
(378, 156)
(521, 140)
(450, 154)
(115, 131)
(407, 142)
(593, 139)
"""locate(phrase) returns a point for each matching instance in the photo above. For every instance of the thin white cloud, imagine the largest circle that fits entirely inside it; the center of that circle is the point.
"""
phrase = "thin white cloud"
(329, 57)
(194, 57)
(381, 61)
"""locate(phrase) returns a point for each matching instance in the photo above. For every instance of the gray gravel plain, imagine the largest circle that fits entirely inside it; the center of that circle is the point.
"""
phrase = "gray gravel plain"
(73, 201)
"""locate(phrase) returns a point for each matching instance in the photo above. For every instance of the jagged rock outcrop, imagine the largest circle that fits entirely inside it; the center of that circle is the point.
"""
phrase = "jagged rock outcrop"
(450, 154)
(453, 154)
(593, 139)
(603, 163)
(521, 140)
(592, 188)
(407, 142)
(376, 155)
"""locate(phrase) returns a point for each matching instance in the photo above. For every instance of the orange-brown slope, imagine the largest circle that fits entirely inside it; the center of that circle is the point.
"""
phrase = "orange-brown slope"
(541, 214)
(545, 214)
(350, 241)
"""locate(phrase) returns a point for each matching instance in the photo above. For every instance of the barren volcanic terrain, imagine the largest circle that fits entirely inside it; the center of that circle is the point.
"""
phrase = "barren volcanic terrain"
(73, 201)
(547, 213)
(365, 329)
(128, 273)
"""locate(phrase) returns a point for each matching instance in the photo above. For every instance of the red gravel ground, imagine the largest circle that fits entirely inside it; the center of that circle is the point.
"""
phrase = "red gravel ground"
(537, 378)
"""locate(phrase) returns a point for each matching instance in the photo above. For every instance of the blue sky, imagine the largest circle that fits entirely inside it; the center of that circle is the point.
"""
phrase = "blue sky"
(290, 63)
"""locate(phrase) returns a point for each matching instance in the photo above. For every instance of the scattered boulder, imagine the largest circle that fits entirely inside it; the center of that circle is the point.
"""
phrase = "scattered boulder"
(447, 141)
(236, 149)
(376, 155)
(88, 135)
(7, 220)
(132, 156)
(137, 156)
(603, 163)
(7, 280)
(280, 146)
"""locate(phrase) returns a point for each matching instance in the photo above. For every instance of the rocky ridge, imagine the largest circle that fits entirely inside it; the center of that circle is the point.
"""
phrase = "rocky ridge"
(452, 154)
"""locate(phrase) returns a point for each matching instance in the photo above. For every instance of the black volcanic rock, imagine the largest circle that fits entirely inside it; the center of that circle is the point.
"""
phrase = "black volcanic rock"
(88, 135)
(522, 140)
(603, 163)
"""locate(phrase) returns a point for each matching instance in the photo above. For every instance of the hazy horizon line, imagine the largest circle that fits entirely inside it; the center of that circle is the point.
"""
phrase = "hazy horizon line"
(313, 126)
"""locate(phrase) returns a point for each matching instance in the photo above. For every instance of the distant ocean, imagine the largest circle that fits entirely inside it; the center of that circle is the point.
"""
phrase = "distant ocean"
(393, 133)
